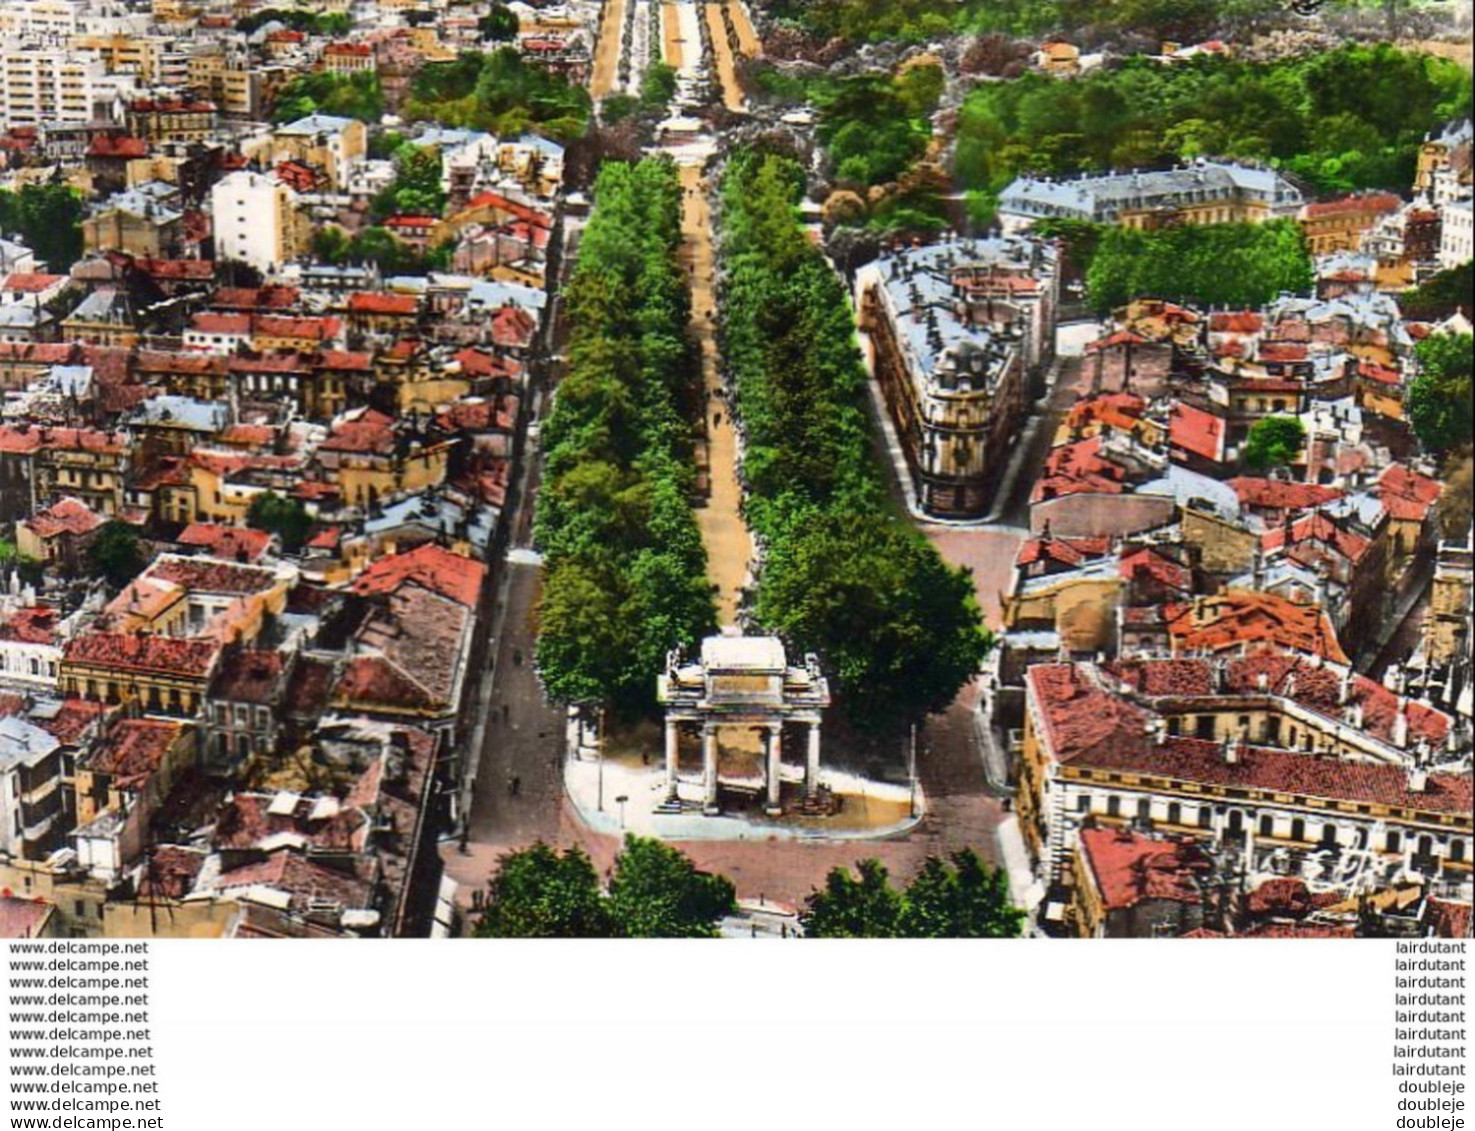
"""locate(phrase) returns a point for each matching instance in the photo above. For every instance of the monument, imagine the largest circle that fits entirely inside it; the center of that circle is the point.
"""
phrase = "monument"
(742, 681)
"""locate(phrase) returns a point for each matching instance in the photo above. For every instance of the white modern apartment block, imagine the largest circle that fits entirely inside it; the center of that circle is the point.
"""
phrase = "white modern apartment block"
(255, 220)
(50, 87)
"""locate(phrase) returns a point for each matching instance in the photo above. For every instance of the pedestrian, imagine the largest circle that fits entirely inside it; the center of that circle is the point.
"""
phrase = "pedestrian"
(506, 711)
(517, 657)
(516, 784)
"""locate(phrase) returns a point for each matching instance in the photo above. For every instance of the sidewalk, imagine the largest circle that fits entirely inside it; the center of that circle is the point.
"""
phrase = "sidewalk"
(644, 787)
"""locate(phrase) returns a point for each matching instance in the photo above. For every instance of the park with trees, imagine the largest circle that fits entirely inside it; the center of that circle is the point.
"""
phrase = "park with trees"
(498, 92)
(1341, 121)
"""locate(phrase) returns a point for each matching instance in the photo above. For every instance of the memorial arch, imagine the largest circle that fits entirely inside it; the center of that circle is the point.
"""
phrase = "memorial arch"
(742, 682)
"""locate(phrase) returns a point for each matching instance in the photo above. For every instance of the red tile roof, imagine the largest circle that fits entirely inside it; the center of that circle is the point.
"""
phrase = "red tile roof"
(1196, 432)
(1066, 551)
(371, 431)
(513, 327)
(1273, 494)
(107, 145)
(133, 750)
(369, 302)
(1151, 563)
(303, 880)
(65, 516)
(1407, 494)
(1285, 771)
(1448, 919)
(170, 871)
(31, 282)
(1353, 205)
(271, 297)
(313, 329)
(249, 676)
(1077, 468)
(1313, 531)
(1236, 322)
(22, 918)
(34, 625)
(1238, 619)
(245, 821)
(343, 359)
(229, 543)
(161, 655)
(1129, 869)
(73, 720)
(479, 363)
(1120, 338)
(207, 323)
(431, 566)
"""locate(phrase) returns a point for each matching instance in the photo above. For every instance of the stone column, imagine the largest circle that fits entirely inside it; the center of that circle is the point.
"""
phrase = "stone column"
(811, 763)
(773, 746)
(709, 770)
(673, 740)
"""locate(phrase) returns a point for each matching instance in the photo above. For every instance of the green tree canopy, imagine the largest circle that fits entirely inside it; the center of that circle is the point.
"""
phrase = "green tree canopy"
(285, 517)
(48, 218)
(116, 554)
(1332, 118)
(542, 893)
(328, 92)
(1439, 396)
(900, 628)
(656, 892)
(500, 23)
(1234, 265)
(851, 907)
(1274, 441)
(658, 85)
(948, 899)
(499, 92)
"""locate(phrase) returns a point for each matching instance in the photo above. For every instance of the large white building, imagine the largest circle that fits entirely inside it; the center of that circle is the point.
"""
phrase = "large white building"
(51, 87)
(1206, 192)
(255, 220)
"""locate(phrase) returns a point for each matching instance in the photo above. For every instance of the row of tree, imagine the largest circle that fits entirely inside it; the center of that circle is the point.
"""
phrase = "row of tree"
(498, 92)
(626, 570)
(1342, 120)
(655, 891)
(843, 575)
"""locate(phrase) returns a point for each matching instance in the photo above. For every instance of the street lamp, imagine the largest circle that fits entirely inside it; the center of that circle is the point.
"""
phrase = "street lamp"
(912, 773)
(599, 755)
(620, 801)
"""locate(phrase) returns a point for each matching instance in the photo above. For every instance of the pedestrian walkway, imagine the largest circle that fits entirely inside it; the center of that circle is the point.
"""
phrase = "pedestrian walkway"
(724, 533)
(606, 72)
